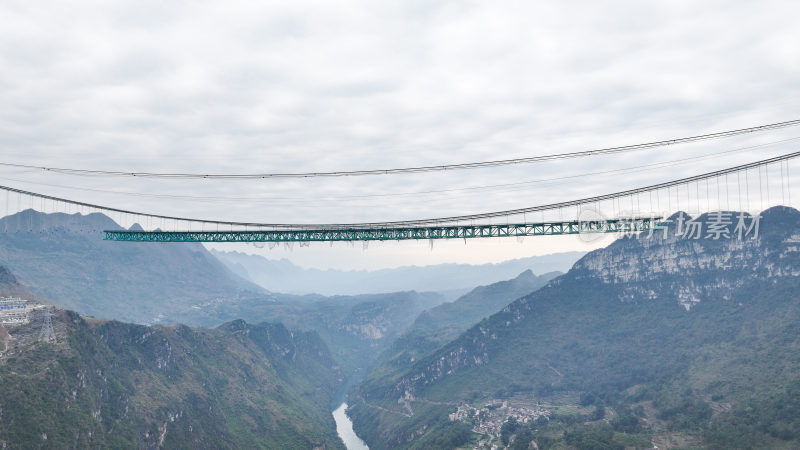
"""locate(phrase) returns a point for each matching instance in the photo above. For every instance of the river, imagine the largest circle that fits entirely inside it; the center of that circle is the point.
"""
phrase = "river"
(345, 429)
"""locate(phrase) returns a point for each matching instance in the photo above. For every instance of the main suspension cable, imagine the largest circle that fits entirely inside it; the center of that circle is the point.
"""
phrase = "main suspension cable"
(422, 222)
(394, 171)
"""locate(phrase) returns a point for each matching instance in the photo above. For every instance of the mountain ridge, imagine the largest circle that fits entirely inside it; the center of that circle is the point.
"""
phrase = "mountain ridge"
(282, 275)
(103, 383)
(64, 258)
(675, 326)
(438, 325)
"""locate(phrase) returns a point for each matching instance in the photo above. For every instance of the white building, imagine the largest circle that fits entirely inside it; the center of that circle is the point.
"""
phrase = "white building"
(14, 310)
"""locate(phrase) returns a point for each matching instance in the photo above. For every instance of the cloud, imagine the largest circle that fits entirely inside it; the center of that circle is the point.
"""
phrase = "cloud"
(313, 86)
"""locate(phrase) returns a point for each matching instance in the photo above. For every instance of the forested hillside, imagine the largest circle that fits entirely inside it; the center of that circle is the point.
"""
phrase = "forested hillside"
(356, 328)
(107, 384)
(666, 340)
(437, 326)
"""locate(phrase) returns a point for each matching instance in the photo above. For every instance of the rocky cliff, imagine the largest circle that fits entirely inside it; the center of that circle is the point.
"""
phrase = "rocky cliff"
(674, 322)
(107, 384)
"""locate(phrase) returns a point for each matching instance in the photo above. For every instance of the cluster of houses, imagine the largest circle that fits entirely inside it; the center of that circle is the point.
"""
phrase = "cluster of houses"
(489, 419)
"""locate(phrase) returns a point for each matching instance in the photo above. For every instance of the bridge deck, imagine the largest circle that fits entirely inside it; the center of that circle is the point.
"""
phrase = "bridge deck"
(628, 225)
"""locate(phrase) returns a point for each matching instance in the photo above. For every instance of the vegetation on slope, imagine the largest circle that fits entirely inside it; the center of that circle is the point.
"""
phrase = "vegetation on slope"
(106, 384)
(696, 339)
(437, 326)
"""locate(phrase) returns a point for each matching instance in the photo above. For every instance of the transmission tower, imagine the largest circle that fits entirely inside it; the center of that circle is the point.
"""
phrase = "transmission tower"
(47, 334)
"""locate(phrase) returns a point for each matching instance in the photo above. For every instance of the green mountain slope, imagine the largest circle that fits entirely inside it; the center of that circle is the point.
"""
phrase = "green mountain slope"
(670, 341)
(107, 384)
(481, 302)
(63, 258)
(443, 323)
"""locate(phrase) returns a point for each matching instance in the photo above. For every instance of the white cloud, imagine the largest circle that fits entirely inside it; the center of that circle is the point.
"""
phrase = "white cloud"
(312, 86)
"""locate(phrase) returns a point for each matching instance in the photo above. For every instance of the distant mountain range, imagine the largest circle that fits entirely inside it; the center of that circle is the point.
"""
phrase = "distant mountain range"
(451, 279)
(357, 328)
(667, 341)
(64, 259)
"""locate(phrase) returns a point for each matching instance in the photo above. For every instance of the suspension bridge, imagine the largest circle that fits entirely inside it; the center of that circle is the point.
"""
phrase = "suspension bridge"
(705, 192)
(745, 187)
(456, 228)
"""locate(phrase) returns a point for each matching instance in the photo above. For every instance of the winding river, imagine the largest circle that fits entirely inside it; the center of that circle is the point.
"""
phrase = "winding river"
(345, 429)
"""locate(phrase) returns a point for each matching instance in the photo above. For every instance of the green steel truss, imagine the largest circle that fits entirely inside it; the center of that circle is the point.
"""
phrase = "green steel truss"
(630, 225)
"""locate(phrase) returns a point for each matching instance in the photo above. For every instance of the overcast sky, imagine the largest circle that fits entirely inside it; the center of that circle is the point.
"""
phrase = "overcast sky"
(297, 86)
